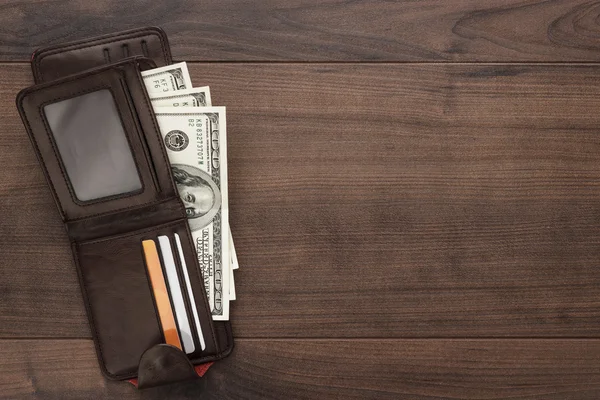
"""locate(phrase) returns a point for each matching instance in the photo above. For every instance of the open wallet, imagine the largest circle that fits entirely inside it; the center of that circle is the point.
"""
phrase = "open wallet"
(96, 137)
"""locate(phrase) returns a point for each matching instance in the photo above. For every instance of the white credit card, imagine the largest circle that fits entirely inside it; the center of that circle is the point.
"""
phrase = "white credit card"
(190, 292)
(185, 331)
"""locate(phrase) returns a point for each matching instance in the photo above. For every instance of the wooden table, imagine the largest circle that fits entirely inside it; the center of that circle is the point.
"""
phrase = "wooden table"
(415, 199)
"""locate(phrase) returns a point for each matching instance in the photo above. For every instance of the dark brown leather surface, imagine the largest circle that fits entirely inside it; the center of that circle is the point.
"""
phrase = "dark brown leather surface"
(124, 82)
(164, 364)
(61, 60)
(106, 234)
(119, 299)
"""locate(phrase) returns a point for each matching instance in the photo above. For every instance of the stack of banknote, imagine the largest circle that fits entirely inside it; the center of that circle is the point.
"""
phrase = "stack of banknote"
(195, 136)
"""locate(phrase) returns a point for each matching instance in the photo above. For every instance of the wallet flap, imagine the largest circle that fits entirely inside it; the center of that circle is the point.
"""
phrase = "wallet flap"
(164, 364)
(98, 141)
(62, 60)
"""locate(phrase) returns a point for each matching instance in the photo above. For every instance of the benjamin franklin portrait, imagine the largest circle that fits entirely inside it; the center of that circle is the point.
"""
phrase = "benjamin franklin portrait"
(199, 193)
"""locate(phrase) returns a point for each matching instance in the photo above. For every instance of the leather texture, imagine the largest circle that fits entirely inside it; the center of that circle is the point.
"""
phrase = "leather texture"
(164, 364)
(55, 62)
(106, 233)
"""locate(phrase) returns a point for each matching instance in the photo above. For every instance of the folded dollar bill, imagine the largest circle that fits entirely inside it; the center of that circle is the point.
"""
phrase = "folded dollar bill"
(196, 142)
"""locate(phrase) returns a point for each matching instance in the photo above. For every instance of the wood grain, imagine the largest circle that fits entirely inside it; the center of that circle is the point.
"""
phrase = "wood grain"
(317, 30)
(325, 369)
(367, 201)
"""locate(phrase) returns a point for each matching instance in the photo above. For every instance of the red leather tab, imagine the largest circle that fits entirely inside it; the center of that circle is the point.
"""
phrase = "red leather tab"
(202, 368)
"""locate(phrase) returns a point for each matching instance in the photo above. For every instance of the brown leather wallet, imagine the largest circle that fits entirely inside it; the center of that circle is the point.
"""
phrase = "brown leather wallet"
(98, 142)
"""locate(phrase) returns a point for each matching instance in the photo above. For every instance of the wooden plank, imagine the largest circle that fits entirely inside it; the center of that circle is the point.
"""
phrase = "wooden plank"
(321, 30)
(367, 201)
(326, 369)
(39, 291)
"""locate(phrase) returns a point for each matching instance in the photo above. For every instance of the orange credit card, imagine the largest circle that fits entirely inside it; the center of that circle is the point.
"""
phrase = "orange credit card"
(159, 287)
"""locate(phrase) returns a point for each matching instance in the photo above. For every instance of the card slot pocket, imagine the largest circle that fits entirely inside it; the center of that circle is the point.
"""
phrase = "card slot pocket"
(161, 293)
(188, 295)
(176, 292)
(213, 350)
(120, 300)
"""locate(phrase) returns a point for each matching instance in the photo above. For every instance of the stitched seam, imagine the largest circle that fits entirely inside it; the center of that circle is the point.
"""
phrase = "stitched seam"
(59, 158)
(58, 50)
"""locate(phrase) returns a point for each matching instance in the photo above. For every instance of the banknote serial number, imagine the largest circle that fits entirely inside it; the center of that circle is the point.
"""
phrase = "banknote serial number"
(161, 84)
(197, 124)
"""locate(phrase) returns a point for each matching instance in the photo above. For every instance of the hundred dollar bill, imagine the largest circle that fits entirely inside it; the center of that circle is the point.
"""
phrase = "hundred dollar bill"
(196, 143)
(167, 79)
(177, 91)
(194, 97)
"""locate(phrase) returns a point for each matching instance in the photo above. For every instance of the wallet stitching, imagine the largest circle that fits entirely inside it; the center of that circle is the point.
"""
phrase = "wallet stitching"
(109, 40)
(59, 158)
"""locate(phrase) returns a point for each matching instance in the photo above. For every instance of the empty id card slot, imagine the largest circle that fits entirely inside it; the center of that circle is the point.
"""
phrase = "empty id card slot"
(92, 144)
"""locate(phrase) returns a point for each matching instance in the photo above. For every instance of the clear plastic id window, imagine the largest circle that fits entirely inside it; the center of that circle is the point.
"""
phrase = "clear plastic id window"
(93, 147)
